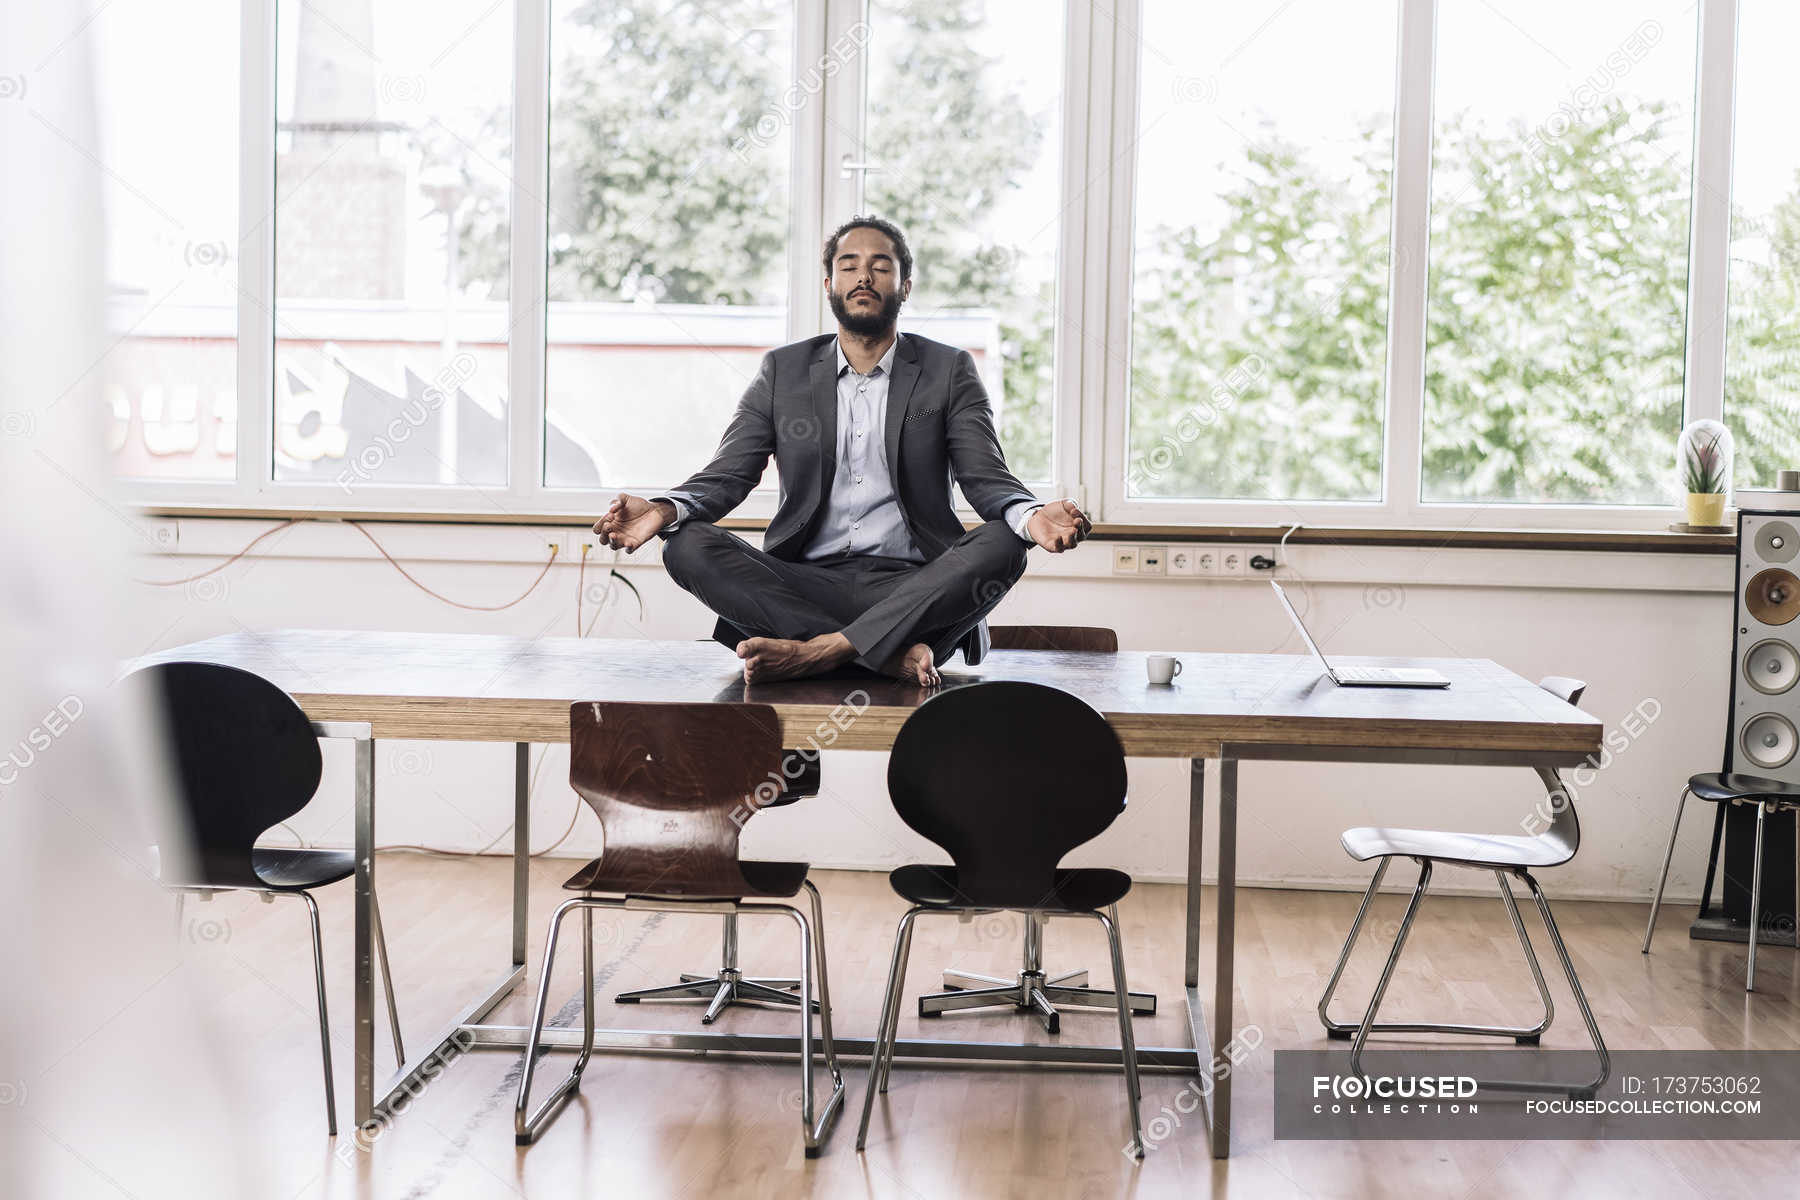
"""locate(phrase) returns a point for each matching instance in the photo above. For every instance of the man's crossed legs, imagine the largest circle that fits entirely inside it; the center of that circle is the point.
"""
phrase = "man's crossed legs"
(887, 614)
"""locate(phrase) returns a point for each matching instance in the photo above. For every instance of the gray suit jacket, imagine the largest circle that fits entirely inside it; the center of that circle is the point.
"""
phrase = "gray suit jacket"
(940, 427)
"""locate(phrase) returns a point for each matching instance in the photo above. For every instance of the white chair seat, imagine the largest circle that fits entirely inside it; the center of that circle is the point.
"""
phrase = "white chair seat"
(1470, 849)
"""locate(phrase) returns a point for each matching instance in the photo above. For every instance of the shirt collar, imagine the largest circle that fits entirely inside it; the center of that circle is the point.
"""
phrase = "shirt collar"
(885, 366)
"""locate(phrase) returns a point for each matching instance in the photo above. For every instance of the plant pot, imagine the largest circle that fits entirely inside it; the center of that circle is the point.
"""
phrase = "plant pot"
(1706, 508)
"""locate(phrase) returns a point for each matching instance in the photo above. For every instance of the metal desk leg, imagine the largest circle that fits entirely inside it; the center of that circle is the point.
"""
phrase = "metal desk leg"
(1196, 813)
(365, 926)
(1224, 953)
(521, 848)
(1215, 1087)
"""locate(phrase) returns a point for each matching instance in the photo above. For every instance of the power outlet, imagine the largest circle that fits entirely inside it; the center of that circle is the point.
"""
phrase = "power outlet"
(1125, 560)
(1183, 560)
(567, 544)
(1206, 561)
(1232, 561)
(1151, 560)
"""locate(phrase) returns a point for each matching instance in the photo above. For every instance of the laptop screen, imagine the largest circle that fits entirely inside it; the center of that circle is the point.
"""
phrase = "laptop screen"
(1300, 625)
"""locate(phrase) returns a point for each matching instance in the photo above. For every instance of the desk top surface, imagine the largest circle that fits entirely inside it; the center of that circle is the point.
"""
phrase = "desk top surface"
(487, 687)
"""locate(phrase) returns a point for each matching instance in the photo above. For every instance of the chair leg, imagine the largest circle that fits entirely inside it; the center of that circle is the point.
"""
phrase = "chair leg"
(1587, 1014)
(387, 978)
(1387, 972)
(1529, 1037)
(312, 912)
(887, 1058)
(1127, 1044)
(812, 964)
(1332, 1028)
(527, 1127)
(1663, 879)
(1523, 1035)
(1712, 860)
(890, 1019)
(1755, 899)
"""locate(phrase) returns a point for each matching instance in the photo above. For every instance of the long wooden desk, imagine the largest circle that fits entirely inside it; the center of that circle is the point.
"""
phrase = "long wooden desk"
(1230, 707)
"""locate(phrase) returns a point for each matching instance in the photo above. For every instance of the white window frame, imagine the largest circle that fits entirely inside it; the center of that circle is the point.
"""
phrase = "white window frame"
(1093, 290)
(1399, 505)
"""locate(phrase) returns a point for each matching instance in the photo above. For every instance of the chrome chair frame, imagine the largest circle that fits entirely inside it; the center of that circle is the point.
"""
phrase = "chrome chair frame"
(887, 1032)
(1763, 807)
(727, 986)
(1032, 991)
(1359, 1033)
(1502, 856)
(528, 1124)
(312, 909)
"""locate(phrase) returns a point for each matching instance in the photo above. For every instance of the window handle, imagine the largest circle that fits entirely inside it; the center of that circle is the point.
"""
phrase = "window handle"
(845, 166)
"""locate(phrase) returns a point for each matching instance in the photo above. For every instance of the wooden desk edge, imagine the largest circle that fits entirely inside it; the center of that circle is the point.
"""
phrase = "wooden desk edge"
(1143, 735)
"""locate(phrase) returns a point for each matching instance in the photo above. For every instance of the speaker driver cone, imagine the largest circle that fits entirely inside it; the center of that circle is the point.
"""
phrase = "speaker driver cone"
(1773, 596)
(1777, 542)
(1771, 667)
(1769, 740)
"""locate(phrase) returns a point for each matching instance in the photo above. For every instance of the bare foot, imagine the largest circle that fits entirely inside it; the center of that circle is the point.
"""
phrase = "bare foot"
(915, 665)
(768, 659)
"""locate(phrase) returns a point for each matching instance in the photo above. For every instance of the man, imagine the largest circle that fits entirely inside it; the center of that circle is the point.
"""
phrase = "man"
(865, 560)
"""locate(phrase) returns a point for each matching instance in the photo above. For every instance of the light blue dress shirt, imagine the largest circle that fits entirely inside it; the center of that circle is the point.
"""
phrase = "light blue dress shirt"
(862, 514)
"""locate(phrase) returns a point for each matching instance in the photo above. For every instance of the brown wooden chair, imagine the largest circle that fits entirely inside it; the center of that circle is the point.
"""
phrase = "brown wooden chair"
(673, 784)
(1033, 991)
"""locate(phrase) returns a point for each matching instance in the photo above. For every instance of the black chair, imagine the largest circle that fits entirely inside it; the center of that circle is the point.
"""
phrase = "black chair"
(671, 785)
(728, 985)
(1722, 788)
(245, 758)
(1033, 990)
(1504, 855)
(1007, 777)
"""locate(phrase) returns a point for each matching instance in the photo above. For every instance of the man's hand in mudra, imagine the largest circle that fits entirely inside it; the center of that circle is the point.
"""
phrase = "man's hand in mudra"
(631, 521)
(1058, 526)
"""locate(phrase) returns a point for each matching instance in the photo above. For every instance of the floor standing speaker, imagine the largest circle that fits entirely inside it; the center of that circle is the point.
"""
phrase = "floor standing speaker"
(1763, 730)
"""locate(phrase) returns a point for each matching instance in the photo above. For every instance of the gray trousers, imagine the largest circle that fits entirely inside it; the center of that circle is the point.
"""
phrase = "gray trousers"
(883, 605)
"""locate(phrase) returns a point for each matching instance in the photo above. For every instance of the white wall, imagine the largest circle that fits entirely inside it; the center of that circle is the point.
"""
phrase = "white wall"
(1650, 633)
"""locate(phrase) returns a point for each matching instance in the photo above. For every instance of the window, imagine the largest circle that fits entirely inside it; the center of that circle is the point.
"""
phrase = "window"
(1260, 254)
(391, 184)
(166, 163)
(1370, 262)
(669, 216)
(1762, 355)
(1561, 179)
(964, 125)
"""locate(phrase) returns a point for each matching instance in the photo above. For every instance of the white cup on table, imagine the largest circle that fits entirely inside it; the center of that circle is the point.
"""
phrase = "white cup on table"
(1162, 668)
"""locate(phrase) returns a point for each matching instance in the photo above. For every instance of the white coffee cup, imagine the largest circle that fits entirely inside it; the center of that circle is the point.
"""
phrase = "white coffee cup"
(1162, 668)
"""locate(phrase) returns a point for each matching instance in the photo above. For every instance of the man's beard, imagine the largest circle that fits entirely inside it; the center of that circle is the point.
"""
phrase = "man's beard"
(867, 324)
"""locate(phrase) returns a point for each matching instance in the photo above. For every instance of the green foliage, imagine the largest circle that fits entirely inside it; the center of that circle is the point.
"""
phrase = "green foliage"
(1258, 347)
(1762, 349)
(1555, 347)
(950, 149)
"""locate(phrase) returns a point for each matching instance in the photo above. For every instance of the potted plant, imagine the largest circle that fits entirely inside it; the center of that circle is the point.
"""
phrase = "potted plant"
(1704, 458)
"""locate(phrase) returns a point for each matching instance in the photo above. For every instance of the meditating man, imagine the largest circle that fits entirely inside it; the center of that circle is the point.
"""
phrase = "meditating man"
(865, 560)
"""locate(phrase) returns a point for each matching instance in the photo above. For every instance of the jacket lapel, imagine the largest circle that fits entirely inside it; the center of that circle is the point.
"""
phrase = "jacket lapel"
(825, 415)
(900, 390)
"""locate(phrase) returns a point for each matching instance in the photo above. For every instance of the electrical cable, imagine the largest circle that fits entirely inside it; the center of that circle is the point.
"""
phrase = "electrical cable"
(447, 600)
(248, 546)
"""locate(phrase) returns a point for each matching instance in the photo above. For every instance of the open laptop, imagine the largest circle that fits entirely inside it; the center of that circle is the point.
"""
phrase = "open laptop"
(1421, 677)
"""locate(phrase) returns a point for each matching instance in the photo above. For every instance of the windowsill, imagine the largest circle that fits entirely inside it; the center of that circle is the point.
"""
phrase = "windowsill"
(1581, 540)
